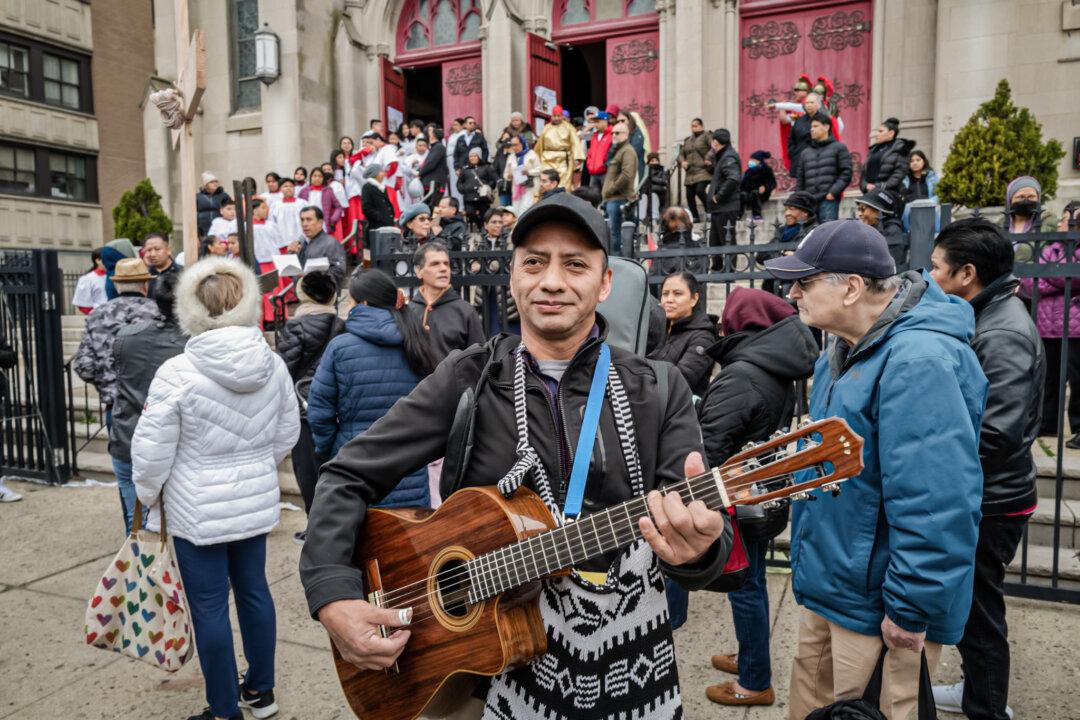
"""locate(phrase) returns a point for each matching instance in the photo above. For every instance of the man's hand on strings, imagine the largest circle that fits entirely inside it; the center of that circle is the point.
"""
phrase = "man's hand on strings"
(354, 627)
(679, 533)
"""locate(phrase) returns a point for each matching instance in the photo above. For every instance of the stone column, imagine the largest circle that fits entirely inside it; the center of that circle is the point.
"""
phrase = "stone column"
(281, 127)
(503, 63)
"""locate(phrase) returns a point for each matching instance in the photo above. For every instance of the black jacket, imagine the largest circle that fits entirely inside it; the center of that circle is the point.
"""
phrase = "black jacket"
(761, 176)
(685, 347)
(9, 358)
(434, 168)
(471, 178)
(798, 140)
(303, 340)
(208, 207)
(886, 165)
(173, 269)
(753, 396)
(453, 233)
(415, 433)
(452, 323)
(378, 210)
(754, 393)
(461, 149)
(824, 167)
(724, 190)
(1012, 358)
(138, 352)
(327, 246)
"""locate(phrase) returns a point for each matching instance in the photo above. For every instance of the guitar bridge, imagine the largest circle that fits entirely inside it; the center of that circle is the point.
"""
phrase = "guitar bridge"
(375, 598)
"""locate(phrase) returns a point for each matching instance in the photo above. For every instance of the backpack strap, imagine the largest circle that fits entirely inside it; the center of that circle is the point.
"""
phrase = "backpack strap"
(460, 441)
(662, 370)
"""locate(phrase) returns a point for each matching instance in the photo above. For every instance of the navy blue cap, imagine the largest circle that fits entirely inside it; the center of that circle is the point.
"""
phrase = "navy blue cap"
(842, 246)
(567, 208)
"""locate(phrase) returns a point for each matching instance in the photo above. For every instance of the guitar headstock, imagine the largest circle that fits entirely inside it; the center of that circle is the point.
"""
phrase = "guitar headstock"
(763, 472)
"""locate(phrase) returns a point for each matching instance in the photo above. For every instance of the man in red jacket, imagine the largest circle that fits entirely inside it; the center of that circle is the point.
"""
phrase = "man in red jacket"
(596, 159)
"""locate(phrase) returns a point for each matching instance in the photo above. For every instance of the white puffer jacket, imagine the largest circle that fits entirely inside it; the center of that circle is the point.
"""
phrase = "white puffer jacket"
(218, 419)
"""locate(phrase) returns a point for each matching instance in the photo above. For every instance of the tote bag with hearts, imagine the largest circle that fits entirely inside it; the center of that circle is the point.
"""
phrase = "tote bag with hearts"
(139, 608)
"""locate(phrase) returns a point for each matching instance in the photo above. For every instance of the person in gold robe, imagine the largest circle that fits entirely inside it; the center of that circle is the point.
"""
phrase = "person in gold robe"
(560, 148)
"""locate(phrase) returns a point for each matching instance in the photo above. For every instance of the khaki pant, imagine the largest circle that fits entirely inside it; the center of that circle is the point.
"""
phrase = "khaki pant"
(832, 663)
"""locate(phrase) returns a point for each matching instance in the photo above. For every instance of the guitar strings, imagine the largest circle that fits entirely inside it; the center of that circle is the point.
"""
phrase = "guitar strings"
(711, 493)
(428, 611)
(459, 577)
(395, 595)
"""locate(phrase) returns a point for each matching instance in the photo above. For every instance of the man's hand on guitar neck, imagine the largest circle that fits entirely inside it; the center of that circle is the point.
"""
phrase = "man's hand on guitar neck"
(679, 533)
(354, 627)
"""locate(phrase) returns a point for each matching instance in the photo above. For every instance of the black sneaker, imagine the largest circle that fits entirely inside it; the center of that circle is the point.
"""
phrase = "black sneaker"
(261, 704)
(207, 715)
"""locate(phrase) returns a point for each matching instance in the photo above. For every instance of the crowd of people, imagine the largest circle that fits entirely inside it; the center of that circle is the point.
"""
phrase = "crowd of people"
(910, 557)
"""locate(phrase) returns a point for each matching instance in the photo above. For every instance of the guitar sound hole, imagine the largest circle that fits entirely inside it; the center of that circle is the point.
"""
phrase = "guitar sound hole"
(453, 585)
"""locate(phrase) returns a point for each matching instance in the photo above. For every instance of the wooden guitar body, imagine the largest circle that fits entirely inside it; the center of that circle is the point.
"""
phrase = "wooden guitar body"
(451, 645)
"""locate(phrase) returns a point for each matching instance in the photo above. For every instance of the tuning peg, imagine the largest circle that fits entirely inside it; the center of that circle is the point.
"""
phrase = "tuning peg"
(833, 488)
(777, 435)
(750, 445)
(806, 422)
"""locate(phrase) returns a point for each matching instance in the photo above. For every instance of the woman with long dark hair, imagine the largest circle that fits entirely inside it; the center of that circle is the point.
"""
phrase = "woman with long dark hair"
(382, 355)
(690, 331)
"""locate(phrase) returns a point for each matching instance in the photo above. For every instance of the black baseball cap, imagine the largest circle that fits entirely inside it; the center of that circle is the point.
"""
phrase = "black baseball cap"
(843, 246)
(567, 208)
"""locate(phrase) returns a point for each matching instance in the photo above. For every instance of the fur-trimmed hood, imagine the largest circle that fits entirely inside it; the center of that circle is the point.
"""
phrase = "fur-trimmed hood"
(193, 316)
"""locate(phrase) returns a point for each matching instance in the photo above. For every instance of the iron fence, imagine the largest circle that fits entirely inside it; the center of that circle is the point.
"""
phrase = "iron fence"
(33, 432)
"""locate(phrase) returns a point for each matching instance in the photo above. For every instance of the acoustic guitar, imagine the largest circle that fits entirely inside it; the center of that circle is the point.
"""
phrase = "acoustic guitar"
(462, 568)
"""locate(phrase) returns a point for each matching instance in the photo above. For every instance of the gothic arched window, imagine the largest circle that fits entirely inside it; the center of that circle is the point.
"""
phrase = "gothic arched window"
(429, 24)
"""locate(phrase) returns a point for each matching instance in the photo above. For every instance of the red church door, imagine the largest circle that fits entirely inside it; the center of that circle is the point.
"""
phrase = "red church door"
(633, 77)
(393, 91)
(816, 38)
(544, 75)
(463, 90)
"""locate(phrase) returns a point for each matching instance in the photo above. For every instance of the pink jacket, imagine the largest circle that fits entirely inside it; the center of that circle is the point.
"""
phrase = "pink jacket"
(1050, 313)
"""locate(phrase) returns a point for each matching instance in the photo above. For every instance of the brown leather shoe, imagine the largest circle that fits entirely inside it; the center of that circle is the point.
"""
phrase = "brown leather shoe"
(725, 694)
(726, 663)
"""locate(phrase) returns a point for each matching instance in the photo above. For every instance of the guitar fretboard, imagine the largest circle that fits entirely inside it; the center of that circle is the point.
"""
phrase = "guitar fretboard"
(574, 543)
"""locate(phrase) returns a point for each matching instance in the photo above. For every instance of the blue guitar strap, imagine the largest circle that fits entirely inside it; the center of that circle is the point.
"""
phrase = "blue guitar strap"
(590, 420)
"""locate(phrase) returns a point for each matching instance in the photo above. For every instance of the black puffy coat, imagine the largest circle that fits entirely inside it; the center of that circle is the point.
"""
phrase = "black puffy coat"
(724, 190)
(472, 177)
(824, 167)
(303, 340)
(685, 347)
(1012, 357)
(886, 165)
(453, 233)
(753, 396)
(208, 207)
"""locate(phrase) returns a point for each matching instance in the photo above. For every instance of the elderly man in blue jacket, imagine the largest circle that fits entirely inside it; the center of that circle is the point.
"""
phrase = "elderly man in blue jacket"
(891, 560)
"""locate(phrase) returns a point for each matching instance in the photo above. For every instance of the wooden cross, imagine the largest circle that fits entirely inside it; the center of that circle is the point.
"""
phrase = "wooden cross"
(191, 81)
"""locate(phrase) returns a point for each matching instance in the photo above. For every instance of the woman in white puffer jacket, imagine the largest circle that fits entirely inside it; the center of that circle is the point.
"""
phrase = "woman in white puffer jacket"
(218, 419)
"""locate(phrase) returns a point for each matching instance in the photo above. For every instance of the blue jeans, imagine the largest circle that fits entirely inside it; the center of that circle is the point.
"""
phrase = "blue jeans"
(750, 611)
(208, 571)
(678, 602)
(122, 470)
(826, 210)
(614, 219)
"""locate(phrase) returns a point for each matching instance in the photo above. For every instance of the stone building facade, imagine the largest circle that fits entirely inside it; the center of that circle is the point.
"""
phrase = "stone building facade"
(71, 136)
(928, 62)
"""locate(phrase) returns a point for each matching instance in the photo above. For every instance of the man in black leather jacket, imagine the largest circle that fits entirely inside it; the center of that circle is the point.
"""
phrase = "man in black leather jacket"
(973, 260)
(558, 276)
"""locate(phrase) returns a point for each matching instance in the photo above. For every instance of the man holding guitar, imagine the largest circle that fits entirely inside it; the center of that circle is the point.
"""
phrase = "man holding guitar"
(513, 412)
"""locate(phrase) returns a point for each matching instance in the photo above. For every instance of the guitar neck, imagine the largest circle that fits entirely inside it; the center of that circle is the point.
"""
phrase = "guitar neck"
(576, 542)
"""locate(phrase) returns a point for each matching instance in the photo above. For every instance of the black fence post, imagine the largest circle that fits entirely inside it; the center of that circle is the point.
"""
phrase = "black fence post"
(628, 233)
(923, 217)
(50, 368)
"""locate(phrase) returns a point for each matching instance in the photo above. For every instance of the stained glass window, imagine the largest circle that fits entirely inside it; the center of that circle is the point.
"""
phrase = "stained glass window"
(439, 23)
(575, 12)
(641, 7)
(245, 21)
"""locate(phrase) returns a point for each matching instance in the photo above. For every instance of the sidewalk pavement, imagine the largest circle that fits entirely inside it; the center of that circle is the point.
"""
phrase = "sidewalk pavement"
(56, 542)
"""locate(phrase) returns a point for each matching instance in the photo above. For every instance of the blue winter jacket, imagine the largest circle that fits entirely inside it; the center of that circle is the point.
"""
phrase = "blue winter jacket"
(363, 372)
(900, 539)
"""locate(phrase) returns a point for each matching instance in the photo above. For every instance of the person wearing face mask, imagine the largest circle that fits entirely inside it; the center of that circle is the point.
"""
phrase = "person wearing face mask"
(758, 183)
(1023, 207)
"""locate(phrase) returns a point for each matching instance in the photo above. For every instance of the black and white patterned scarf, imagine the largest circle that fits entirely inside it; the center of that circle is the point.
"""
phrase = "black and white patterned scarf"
(610, 651)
